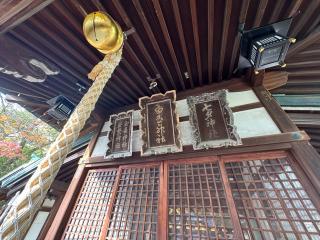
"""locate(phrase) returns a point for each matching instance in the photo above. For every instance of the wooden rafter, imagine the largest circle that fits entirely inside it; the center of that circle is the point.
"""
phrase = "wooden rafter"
(226, 22)
(312, 8)
(25, 101)
(119, 8)
(168, 40)
(154, 42)
(14, 12)
(194, 18)
(182, 39)
(261, 9)
(210, 38)
(294, 7)
(303, 44)
(276, 12)
(235, 50)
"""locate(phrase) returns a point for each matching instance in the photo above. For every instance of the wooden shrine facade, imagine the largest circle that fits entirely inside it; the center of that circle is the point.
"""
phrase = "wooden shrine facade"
(267, 187)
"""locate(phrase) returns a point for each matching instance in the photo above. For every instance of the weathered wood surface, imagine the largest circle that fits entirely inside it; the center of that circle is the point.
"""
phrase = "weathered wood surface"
(14, 12)
(249, 123)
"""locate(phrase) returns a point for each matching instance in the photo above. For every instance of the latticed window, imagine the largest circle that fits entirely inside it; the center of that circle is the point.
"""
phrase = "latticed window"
(257, 196)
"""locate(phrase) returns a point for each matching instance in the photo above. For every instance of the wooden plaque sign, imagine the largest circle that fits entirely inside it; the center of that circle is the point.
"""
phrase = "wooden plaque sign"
(159, 124)
(120, 135)
(212, 121)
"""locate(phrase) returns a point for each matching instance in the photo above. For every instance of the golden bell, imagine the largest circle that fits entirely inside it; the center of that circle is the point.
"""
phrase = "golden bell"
(102, 32)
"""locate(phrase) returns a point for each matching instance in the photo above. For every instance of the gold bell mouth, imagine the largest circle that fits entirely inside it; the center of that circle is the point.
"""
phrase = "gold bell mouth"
(102, 32)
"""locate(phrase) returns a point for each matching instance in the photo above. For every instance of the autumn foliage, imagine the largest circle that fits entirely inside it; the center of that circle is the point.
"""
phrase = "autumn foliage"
(23, 137)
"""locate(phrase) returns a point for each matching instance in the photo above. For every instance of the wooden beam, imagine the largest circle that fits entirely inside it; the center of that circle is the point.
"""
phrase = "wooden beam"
(24, 101)
(143, 82)
(136, 84)
(41, 28)
(177, 18)
(309, 160)
(314, 72)
(256, 79)
(14, 12)
(225, 29)
(168, 40)
(311, 8)
(276, 11)
(252, 144)
(235, 50)
(311, 51)
(194, 19)
(302, 63)
(95, 137)
(130, 82)
(304, 43)
(275, 111)
(210, 39)
(246, 107)
(33, 40)
(261, 9)
(141, 46)
(153, 41)
(274, 79)
(293, 8)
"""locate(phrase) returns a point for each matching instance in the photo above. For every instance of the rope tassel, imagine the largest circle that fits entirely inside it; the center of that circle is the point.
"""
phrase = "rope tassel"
(21, 214)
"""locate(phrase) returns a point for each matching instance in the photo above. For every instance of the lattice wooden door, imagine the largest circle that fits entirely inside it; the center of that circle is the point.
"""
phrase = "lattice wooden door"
(252, 196)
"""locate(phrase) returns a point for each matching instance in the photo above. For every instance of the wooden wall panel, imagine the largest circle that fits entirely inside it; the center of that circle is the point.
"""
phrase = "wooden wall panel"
(249, 123)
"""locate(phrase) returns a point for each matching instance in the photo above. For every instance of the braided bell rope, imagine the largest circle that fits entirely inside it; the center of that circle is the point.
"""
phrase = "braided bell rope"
(20, 216)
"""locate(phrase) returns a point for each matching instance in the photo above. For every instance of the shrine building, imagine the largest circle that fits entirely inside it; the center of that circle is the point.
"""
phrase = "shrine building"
(178, 119)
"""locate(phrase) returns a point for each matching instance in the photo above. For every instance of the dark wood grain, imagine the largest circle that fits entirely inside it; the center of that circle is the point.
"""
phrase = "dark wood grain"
(194, 17)
(309, 160)
(14, 12)
(275, 111)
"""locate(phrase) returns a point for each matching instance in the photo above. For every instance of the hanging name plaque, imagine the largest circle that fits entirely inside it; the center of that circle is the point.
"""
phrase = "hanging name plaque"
(120, 136)
(212, 121)
(159, 124)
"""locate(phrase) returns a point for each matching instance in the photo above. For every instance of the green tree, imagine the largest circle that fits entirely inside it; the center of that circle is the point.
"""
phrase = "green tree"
(23, 137)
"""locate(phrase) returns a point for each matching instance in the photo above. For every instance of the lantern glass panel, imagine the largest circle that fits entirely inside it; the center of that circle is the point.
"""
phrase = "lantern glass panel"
(271, 55)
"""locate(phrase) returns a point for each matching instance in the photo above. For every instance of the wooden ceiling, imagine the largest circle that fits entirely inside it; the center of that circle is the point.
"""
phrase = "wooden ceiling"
(189, 43)
(304, 69)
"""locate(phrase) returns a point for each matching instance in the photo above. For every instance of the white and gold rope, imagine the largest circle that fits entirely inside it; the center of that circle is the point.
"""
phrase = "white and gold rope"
(21, 214)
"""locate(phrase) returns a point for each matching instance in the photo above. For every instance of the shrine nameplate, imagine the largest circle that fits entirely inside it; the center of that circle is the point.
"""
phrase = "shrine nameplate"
(159, 124)
(211, 120)
(120, 135)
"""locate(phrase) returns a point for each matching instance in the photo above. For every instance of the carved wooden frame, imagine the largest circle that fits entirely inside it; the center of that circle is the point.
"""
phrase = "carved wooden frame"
(112, 120)
(227, 114)
(146, 150)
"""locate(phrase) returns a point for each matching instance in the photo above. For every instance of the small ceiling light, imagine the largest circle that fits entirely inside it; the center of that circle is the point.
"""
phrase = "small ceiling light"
(266, 46)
